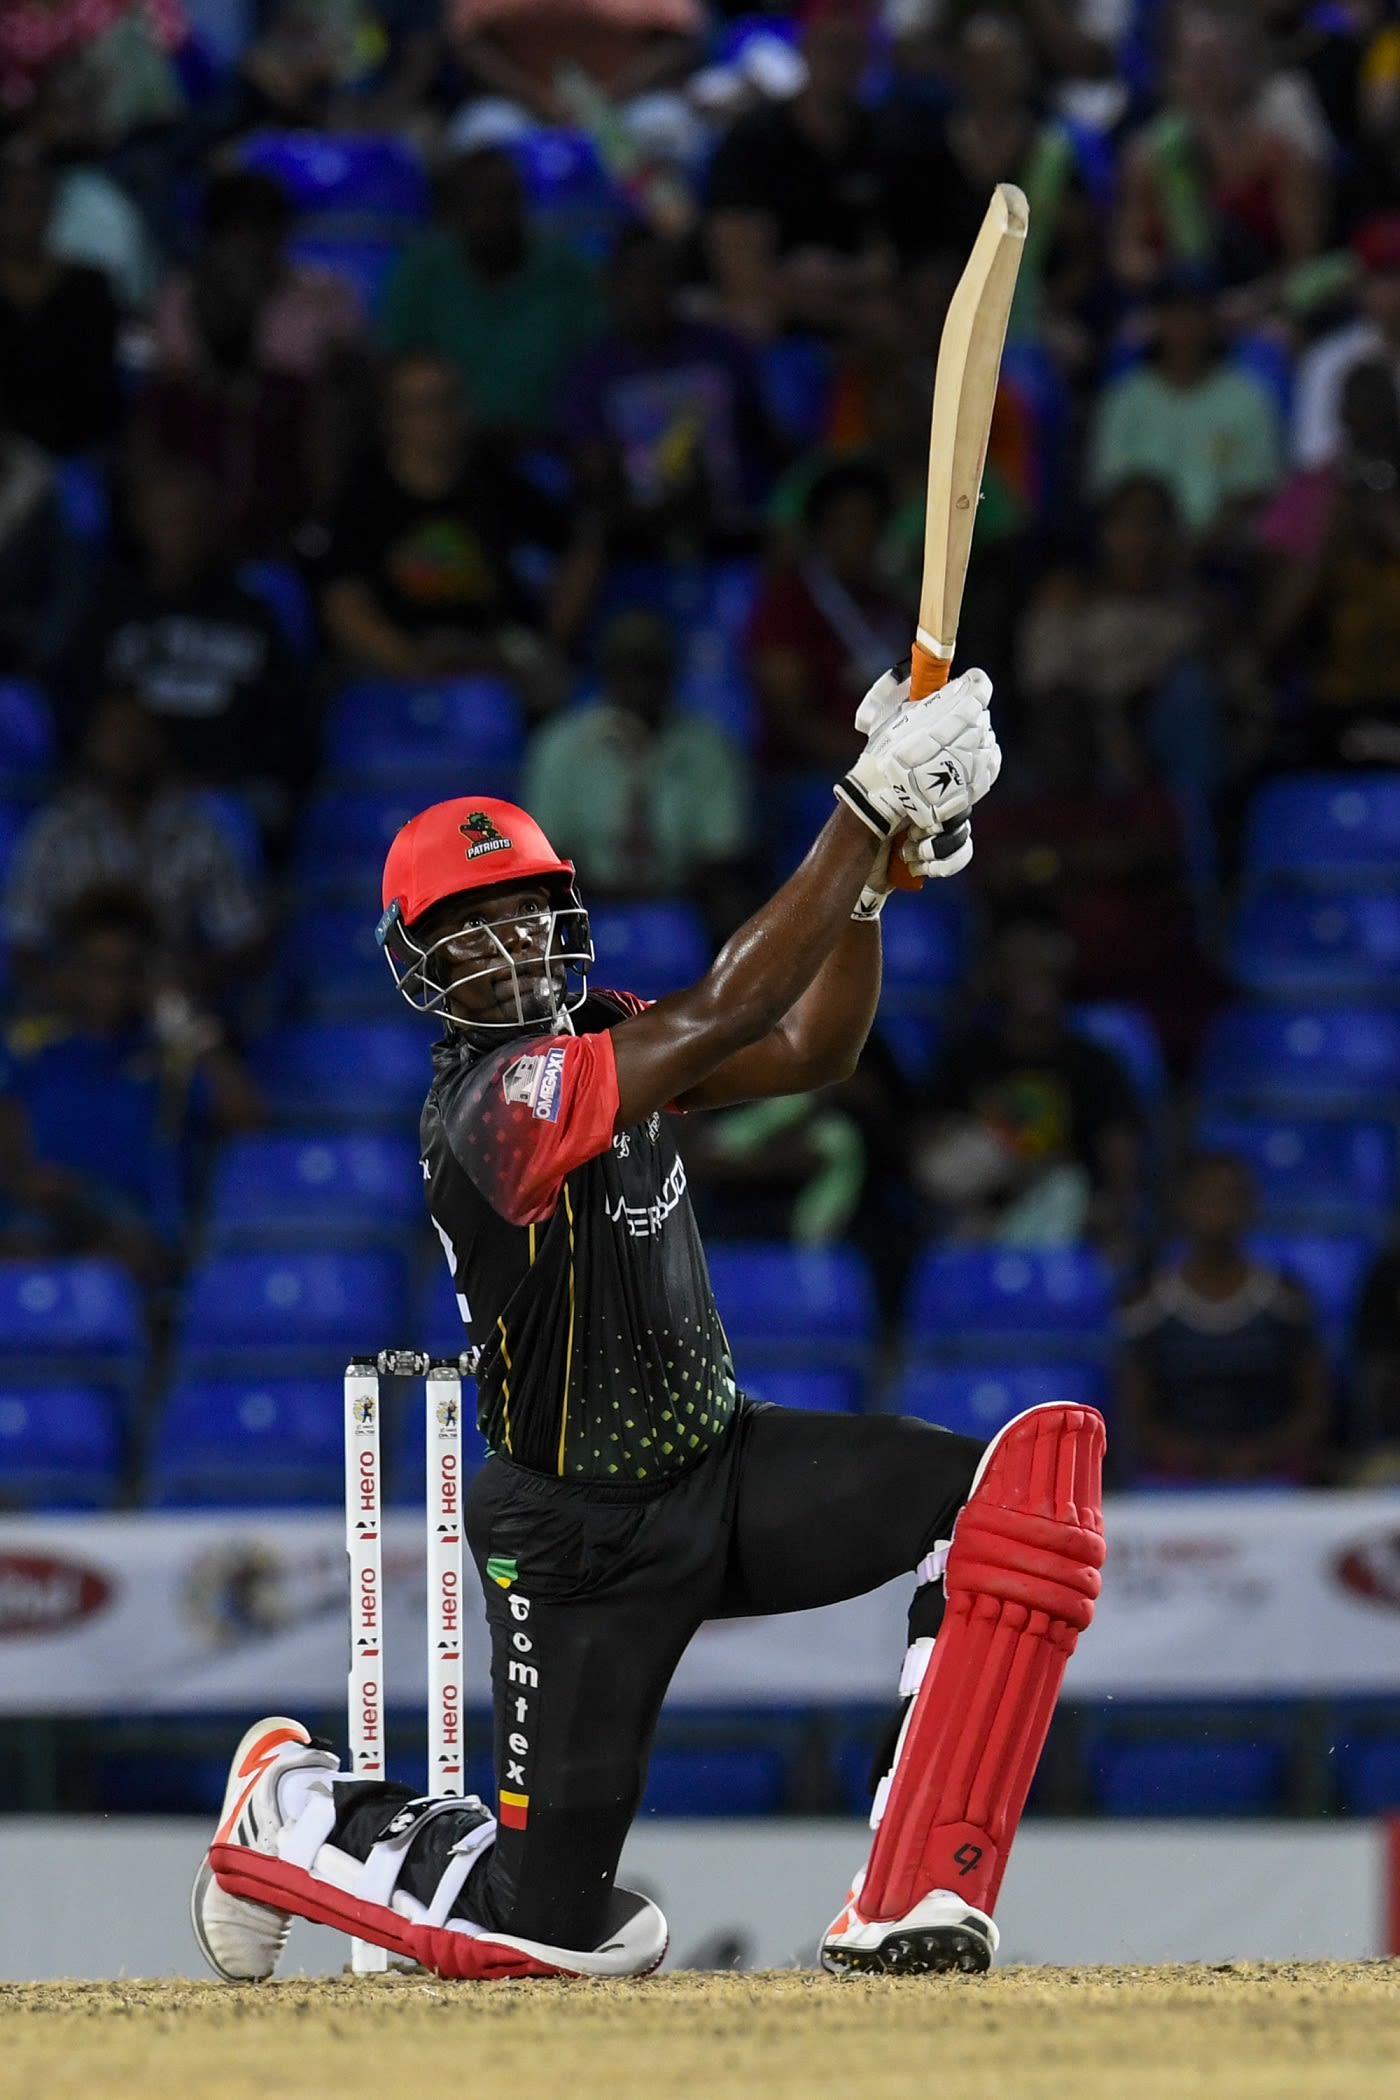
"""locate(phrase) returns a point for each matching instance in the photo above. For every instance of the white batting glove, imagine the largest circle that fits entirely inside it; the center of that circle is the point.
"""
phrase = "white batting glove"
(930, 857)
(927, 762)
(885, 698)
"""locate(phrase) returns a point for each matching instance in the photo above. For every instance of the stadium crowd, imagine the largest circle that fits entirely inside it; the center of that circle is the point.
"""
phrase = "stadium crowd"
(400, 398)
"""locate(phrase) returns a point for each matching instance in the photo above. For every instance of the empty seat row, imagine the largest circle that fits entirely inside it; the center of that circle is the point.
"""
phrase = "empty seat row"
(298, 1309)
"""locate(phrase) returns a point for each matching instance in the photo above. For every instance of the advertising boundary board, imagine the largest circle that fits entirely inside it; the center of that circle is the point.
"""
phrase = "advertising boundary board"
(1204, 1596)
(109, 1897)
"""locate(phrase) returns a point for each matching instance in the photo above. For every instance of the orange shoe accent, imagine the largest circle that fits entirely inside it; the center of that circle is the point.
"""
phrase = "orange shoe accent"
(262, 1754)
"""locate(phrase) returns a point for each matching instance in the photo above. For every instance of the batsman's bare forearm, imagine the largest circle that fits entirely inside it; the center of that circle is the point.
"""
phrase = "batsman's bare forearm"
(827, 1028)
(755, 981)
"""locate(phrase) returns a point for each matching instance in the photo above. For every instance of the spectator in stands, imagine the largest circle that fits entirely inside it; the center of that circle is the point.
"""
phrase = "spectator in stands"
(245, 305)
(1102, 853)
(127, 821)
(43, 573)
(94, 222)
(670, 436)
(1375, 1424)
(123, 48)
(510, 309)
(1127, 633)
(339, 65)
(58, 322)
(255, 367)
(1031, 1134)
(579, 62)
(825, 625)
(1190, 417)
(1373, 336)
(648, 800)
(1333, 600)
(172, 623)
(118, 1076)
(1225, 174)
(996, 132)
(792, 1169)
(421, 576)
(1221, 1373)
(877, 411)
(797, 229)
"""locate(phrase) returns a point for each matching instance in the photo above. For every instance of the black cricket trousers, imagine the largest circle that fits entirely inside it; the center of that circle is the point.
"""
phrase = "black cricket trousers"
(594, 1590)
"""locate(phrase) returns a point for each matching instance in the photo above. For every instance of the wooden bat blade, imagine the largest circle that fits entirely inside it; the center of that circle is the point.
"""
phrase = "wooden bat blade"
(969, 362)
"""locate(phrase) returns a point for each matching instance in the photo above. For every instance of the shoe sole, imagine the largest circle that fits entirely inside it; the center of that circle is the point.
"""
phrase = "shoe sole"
(201, 1882)
(928, 1950)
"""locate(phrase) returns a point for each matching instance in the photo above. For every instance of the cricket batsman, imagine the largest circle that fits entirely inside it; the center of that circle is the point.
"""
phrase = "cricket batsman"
(633, 1491)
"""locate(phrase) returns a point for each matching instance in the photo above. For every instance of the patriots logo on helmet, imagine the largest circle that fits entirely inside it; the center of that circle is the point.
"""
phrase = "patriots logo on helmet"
(485, 837)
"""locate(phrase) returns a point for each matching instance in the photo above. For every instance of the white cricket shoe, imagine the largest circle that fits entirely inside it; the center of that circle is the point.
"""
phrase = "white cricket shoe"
(941, 1934)
(242, 1941)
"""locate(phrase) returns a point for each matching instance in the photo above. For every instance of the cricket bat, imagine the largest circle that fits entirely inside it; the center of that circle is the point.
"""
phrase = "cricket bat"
(964, 390)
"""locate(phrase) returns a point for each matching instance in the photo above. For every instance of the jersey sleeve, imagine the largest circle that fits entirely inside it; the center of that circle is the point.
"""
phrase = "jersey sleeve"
(523, 1124)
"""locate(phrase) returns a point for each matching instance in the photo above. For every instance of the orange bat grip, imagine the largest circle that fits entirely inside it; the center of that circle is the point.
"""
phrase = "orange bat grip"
(927, 674)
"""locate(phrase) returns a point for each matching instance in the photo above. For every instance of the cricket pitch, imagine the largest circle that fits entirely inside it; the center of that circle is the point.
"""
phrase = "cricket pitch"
(1241, 2031)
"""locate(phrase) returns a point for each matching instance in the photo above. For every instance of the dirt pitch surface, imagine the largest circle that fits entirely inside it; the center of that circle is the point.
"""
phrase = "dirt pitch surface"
(1244, 2031)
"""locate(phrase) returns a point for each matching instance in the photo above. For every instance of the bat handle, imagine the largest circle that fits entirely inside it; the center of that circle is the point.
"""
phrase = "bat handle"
(927, 674)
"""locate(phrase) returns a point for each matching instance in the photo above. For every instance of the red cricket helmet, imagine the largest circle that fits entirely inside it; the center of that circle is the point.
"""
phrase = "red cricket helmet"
(477, 843)
(469, 843)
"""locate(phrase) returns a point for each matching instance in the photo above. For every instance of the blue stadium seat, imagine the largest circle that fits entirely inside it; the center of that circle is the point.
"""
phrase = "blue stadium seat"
(245, 1441)
(440, 1328)
(408, 1454)
(980, 1399)
(1316, 1172)
(294, 1314)
(357, 1189)
(1327, 828)
(1128, 1033)
(366, 264)
(84, 500)
(711, 673)
(1332, 1267)
(1331, 1060)
(738, 1780)
(280, 587)
(331, 966)
(1369, 1776)
(913, 1040)
(466, 730)
(60, 1447)
(71, 1321)
(797, 379)
(801, 806)
(368, 1074)
(649, 948)
(570, 194)
(27, 742)
(343, 839)
(924, 949)
(13, 818)
(1186, 1778)
(1002, 1304)
(786, 1305)
(1303, 946)
(828, 1388)
(233, 814)
(370, 180)
(708, 606)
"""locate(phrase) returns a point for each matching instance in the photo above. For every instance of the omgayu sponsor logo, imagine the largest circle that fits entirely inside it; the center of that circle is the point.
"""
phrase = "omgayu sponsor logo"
(44, 1593)
(1370, 1568)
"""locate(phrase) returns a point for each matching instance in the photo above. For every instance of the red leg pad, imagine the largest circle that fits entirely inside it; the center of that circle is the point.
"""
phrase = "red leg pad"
(450, 1954)
(1022, 1576)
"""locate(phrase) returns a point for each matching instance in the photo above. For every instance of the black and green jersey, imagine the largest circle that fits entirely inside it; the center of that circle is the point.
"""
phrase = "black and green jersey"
(576, 1258)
